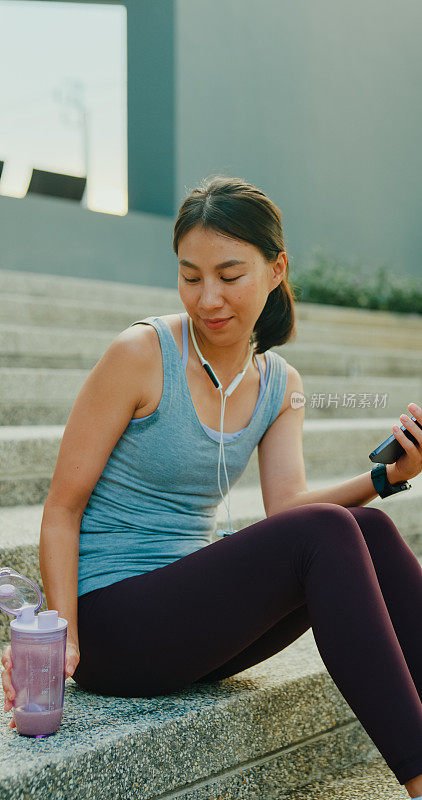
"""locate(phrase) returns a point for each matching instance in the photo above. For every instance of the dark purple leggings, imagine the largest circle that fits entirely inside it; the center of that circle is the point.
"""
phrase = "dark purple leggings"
(347, 572)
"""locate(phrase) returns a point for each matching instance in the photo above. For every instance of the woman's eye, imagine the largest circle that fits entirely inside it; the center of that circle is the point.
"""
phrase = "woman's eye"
(226, 280)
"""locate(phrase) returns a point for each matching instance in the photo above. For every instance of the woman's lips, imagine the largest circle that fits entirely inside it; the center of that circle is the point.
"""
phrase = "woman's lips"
(213, 324)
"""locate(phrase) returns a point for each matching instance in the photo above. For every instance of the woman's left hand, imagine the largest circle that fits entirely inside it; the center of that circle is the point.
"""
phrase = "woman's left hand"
(410, 462)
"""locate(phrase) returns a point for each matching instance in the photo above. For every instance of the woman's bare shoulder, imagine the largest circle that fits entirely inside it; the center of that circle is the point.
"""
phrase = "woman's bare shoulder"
(143, 343)
(141, 340)
(133, 331)
(293, 384)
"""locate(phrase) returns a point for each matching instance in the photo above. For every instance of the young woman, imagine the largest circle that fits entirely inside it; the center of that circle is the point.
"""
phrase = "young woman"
(153, 604)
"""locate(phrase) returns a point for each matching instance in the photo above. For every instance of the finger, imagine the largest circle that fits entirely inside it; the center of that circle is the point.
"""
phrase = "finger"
(402, 438)
(8, 701)
(8, 704)
(6, 656)
(7, 683)
(416, 411)
(411, 427)
(70, 668)
(405, 417)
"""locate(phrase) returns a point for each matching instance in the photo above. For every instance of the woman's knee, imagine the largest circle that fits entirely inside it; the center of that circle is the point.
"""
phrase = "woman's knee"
(330, 516)
(331, 538)
(370, 515)
(375, 523)
(373, 517)
(330, 524)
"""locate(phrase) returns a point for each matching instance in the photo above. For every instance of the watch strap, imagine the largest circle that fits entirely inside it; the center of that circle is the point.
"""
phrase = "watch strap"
(383, 486)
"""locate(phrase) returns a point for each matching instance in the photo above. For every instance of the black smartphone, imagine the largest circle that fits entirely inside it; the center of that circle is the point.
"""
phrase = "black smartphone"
(390, 450)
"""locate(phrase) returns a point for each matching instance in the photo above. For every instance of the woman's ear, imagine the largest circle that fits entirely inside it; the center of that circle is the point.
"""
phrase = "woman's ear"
(279, 268)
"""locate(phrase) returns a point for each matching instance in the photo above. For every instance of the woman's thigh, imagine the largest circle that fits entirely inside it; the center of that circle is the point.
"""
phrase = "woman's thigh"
(238, 600)
(297, 622)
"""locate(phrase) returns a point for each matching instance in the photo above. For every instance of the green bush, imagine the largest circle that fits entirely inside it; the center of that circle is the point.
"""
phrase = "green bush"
(327, 280)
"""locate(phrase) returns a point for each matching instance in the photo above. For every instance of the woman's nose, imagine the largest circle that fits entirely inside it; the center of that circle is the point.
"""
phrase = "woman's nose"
(211, 297)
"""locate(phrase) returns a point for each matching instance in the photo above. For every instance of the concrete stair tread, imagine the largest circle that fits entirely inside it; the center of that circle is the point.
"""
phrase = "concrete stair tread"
(22, 432)
(51, 372)
(87, 334)
(357, 423)
(129, 305)
(327, 444)
(246, 501)
(31, 396)
(61, 331)
(31, 284)
(20, 525)
(37, 346)
(360, 782)
(15, 375)
(186, 739)
(28, 454)
(87, 290)
(41, 311)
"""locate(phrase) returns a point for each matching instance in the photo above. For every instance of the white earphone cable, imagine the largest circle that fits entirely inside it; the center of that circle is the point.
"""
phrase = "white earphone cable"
(223, 405)
(232, 387)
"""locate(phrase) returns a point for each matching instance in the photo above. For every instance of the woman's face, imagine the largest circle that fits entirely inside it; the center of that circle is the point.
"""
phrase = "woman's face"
(210, 291)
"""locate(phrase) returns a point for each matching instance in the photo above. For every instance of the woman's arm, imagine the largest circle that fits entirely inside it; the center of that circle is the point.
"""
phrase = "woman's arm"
(58, 558)
(101, 412)
(282, 468)
(355, 492)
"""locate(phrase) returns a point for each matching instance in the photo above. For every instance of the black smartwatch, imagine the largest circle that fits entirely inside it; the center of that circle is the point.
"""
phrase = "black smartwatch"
(383, 486)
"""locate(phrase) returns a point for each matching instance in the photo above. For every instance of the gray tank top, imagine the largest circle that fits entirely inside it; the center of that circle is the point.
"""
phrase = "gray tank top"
(157, 496)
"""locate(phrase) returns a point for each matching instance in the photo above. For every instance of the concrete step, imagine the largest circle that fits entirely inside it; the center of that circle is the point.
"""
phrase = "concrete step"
(247, 507)
(334, 447)
(28, 454)
(360, 317)
(86, 290)
(113, 293)
(333, 359)
(269, 730)
(28, 310)
(42, 396)
(58, 347)
(64, 312)
(20, 525)
(360, 782)
(36, 346)
(310, 331)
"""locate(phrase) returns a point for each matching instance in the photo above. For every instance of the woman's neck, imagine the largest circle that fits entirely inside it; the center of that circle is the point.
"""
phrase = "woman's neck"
(226, 360)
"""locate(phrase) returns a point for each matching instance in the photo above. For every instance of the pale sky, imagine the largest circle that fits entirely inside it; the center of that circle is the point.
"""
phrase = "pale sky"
(54, 56)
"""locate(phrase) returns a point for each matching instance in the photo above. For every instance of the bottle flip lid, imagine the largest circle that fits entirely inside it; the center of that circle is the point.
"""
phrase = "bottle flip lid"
(18, 592)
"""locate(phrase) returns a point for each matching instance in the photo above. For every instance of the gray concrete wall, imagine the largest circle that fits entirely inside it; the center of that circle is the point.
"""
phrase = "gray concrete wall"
(58, 237)
(318, 104)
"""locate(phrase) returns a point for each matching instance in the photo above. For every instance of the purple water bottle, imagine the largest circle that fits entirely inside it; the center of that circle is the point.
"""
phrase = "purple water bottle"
(38, 656)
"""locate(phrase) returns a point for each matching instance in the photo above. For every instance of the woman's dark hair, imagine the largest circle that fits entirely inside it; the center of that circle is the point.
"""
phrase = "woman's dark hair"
(234, 207)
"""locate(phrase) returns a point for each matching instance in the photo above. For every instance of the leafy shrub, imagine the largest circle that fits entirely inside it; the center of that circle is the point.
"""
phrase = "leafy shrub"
(327, 280)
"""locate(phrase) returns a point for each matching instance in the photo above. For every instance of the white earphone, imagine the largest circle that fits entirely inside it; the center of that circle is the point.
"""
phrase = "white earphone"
(235, 382)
